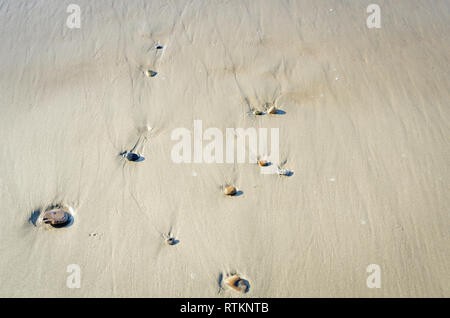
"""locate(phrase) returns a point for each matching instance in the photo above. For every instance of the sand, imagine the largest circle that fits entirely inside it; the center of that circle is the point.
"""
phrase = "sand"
(365, 130)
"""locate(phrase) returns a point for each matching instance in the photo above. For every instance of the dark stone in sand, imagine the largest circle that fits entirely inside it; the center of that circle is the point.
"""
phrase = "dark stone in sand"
(132, 156)
(171, 241)
(159, 47)
(56, 217)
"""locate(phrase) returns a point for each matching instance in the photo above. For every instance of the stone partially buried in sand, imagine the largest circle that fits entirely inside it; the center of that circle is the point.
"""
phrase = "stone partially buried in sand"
(170, 241)
(230, 190)
(151, 73)
(238, 284)
(131, 156)
(263, 163)
(56, 217)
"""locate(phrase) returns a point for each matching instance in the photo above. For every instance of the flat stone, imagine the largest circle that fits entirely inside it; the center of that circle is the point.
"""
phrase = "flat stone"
(56, 217)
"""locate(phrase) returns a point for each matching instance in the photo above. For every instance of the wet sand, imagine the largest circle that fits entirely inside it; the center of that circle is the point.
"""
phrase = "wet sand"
(365, 129)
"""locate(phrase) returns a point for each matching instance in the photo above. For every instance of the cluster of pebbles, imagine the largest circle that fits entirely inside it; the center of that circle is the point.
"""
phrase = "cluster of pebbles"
(272, 110)
(59, 216)
(231, 190)
(236, 282)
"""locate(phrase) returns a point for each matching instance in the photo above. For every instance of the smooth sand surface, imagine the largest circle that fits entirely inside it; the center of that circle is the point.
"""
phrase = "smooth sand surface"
(366, 131)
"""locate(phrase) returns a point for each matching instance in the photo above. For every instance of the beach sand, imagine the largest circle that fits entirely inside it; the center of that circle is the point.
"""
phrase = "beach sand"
(365, 129)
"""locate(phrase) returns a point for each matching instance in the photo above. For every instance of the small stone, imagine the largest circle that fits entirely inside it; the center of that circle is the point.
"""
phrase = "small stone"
(132, 156)
(171, 241)
(284, 172)
(258, 112)
(150, 73)
(238, 284)
(272, 110)
(159, 47)
(230, 190)
(263, 163)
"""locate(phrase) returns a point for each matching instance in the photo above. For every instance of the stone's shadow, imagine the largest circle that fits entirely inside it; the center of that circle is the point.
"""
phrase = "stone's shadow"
(238, 193)
(280, 112)
(139, 159)
(34, 217)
